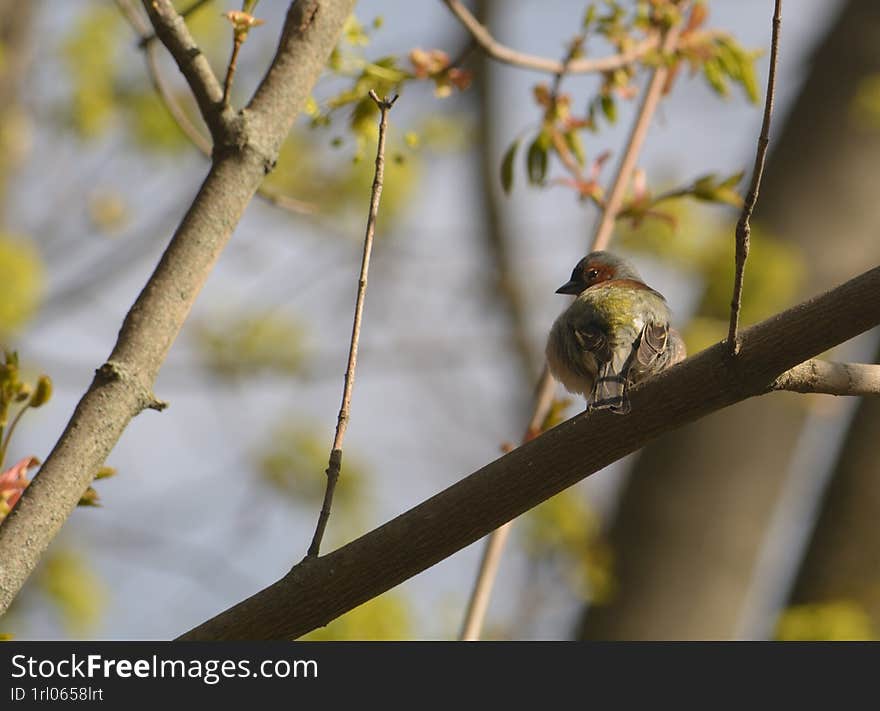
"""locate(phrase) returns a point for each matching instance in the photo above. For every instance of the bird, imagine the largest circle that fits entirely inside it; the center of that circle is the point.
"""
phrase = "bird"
(614, 334)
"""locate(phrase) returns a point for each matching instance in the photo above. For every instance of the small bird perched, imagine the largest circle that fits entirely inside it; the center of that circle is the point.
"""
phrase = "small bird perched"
(614, 334)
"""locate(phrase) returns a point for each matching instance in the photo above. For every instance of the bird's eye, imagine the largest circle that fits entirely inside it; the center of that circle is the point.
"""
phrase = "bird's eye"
(592, 274)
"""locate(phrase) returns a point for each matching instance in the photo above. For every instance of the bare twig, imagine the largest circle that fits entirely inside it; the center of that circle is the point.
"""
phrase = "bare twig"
(488, 570)
(823, 377)
(335, 464)
(505, 54)
(237, 42)
(478, 603)
(242, 23)
(318, 590)
(743, 229)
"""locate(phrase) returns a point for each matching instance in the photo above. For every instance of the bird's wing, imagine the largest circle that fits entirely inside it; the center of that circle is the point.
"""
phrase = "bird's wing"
(652, 346)
(593, 338)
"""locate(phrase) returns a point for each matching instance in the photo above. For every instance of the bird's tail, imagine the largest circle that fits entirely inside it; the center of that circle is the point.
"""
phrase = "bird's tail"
(612, 382)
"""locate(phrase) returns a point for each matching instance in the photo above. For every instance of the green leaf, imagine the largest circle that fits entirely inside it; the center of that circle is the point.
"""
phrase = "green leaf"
(749, 80)
(733, 180)
(576, 146)
(710, 189)
(536, 161)
(609, 108)
(507, 167)
(715, 76)
(589, 16)
(21, 282)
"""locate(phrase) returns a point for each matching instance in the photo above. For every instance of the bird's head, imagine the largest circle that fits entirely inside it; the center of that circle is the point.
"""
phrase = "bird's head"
(596, 268)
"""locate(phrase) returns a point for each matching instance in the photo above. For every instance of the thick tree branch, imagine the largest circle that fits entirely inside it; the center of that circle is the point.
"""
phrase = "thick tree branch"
(122, 388)
(171, 29)
(820, 376)
(743, 229)
(320, 589)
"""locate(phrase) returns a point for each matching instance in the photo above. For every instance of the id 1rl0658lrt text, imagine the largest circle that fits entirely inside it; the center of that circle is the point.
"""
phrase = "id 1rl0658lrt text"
(56, 693)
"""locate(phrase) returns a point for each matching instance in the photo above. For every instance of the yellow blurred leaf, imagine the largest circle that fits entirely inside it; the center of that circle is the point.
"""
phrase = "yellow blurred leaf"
(386, 617)
(21, 282)
(68, 580)
(108, 211)
(838, 620)
(241, 346)
(567, 528)
(90, 55)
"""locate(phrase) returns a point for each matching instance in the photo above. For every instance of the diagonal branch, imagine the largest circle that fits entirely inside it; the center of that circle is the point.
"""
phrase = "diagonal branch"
(335, 464)
(318, 590)
(171, 29)
(122, 387)
(743, 229)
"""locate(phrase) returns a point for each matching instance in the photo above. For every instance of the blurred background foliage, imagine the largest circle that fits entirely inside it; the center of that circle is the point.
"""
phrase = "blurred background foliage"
(112, 150)
(21, 283)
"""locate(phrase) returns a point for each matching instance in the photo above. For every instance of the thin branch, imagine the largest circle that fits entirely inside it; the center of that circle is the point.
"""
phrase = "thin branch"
(171, 29)
(335, 464)
(122, 388)
(318, 590)
(488, 570)
(242, 23)
(507, 55)
(237, 42)
(634, 146)
(743, 229)
(478, 604)
(826, 378)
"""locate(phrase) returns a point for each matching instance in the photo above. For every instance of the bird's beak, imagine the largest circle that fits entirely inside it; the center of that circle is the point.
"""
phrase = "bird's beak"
(571, 287)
